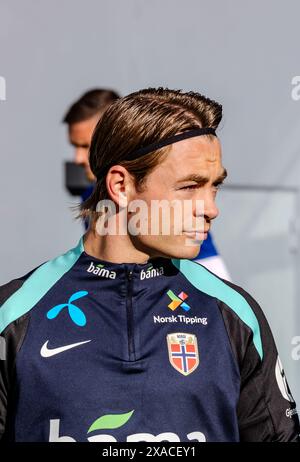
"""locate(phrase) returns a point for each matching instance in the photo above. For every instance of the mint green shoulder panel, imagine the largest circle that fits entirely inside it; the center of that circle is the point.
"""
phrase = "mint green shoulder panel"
(210, 284)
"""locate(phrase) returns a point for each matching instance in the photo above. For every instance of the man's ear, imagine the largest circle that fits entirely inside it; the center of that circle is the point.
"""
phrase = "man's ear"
(123, 201)
(119, 185)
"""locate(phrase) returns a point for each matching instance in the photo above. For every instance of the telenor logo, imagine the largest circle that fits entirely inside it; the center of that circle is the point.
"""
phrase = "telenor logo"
(75, 313)
(100, 271)
(178, 301)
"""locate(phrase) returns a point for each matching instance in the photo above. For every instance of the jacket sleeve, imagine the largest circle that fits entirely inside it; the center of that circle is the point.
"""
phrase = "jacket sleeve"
(266, 409)
(11, 339)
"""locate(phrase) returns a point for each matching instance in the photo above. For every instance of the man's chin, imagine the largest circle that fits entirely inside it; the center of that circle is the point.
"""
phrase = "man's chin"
(192, 251)
(186, 248)
(189, 251)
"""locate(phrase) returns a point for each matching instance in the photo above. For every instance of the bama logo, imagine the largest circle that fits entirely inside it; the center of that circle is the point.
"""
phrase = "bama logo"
(151, 272)
(114, 421)
(100, 271)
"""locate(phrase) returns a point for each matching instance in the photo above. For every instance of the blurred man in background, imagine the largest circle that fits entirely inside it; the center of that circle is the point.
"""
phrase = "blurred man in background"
(82, 118)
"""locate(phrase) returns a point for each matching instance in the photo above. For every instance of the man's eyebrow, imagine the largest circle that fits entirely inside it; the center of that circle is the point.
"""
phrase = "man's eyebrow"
(221, 177)
(200, 179)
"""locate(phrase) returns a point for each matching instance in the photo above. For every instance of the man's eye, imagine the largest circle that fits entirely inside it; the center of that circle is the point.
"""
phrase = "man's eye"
(192, 186)
(218, 186)
(196, 186)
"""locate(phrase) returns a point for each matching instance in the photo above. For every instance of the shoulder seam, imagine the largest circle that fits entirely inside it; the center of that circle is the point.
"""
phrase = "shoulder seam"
(37, 285)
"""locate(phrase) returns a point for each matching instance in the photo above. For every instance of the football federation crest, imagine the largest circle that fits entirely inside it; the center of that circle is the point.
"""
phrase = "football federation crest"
(183, 352)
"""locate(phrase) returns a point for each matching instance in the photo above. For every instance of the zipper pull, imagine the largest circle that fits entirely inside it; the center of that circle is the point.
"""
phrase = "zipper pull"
(129, 275)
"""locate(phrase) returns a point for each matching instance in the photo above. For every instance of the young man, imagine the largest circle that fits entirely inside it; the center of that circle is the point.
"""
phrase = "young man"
(82, 118)
(124, 338)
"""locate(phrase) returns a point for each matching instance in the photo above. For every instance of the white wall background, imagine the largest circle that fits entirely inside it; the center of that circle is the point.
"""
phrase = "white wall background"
(243, 54)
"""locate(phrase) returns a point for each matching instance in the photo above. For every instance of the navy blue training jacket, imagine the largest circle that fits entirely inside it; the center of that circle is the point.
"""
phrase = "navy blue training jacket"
(162, 351)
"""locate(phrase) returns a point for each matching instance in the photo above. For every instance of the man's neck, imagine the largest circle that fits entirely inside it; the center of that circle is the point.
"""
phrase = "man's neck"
(112, 248)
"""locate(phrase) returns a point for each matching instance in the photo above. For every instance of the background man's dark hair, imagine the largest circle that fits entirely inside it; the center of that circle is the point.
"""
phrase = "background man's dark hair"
(90, 104)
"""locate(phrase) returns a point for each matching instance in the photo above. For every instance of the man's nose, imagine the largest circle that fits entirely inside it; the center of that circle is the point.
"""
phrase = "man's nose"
(211, 210)
(80, 156)
(206, 207)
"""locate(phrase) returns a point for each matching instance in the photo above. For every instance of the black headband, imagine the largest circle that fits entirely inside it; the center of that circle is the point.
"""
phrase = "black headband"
(155, 146)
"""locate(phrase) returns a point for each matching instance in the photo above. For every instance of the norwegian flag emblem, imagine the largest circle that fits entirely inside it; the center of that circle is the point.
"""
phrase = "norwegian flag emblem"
(183, 352)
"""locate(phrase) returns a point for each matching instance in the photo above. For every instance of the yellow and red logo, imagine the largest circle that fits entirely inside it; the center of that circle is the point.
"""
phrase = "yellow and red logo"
(178, 300)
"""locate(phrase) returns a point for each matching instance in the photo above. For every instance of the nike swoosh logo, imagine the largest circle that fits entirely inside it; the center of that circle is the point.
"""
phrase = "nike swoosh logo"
(47, 352)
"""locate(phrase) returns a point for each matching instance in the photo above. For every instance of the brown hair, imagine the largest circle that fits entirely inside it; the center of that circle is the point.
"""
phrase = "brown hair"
(89, 104)
(139, 119)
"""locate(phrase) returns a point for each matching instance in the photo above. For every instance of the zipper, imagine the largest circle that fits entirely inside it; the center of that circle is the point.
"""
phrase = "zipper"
(130, 322)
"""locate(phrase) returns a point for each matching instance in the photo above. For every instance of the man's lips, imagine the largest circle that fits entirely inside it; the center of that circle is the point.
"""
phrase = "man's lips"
(196, 234)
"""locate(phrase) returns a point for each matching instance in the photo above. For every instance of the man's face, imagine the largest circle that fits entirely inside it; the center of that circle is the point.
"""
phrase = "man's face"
(80, 135)
(191, 171)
